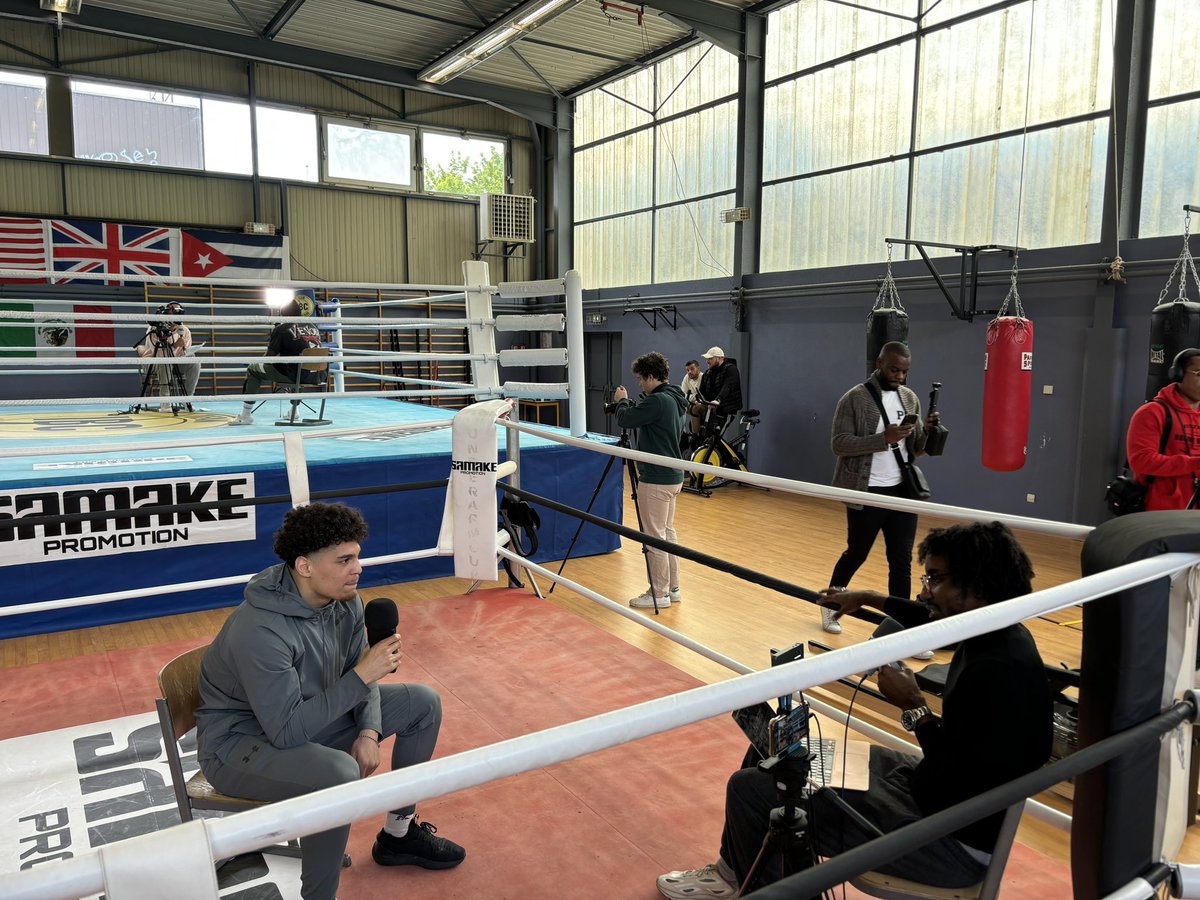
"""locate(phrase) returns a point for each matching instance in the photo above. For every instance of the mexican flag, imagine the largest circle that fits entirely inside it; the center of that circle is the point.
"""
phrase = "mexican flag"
(55, 335)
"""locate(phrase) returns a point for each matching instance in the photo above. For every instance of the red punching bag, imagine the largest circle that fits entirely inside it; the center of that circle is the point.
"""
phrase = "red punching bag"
(1007, 380)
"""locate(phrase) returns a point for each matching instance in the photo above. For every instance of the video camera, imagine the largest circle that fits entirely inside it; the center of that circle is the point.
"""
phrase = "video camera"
(163, 329)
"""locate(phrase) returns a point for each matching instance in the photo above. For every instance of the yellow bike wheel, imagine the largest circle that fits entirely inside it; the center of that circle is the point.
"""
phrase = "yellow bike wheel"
(708, 456)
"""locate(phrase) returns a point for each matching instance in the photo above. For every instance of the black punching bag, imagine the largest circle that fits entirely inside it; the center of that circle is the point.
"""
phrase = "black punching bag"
(890, 324)
(1174, 326)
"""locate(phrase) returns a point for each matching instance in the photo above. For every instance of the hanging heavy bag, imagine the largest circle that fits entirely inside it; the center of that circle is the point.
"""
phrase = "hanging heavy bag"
(1007, 380)
(1174, 326)
(915, 485)
(1125, 494)
(935, 437)
(887, 320)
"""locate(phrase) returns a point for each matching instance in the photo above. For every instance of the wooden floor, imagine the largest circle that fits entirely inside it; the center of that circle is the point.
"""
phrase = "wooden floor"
(792, 538)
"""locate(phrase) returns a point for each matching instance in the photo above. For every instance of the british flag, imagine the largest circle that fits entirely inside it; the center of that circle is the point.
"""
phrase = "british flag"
(109, 247)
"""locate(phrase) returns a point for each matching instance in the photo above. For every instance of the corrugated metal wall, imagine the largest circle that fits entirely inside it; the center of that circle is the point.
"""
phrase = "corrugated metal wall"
(336, 233)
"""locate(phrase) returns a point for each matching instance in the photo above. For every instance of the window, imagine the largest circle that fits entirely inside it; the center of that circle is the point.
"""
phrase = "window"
(287, 144)
(454, 164)
(372, 154)
(140, 126)
(23, 113)
(226, 136)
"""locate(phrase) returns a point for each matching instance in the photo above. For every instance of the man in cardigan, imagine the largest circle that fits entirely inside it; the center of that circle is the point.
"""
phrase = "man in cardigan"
(866, 447)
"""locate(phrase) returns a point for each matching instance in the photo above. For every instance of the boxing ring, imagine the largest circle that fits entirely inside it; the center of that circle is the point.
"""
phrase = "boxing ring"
(1136, 689)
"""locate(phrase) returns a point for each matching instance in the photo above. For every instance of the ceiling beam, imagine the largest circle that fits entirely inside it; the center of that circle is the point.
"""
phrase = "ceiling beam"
(538, 108)
(717, 24)
(281, 17)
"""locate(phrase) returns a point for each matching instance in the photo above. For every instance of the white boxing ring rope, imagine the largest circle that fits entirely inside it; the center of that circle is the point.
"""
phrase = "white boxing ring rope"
(287, 819)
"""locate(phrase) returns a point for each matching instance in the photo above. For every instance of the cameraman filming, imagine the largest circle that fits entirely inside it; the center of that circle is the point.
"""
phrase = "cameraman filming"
(996, 725)
(658, 416)
(167, 339)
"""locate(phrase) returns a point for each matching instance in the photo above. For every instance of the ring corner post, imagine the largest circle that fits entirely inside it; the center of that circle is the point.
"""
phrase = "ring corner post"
(576, 398)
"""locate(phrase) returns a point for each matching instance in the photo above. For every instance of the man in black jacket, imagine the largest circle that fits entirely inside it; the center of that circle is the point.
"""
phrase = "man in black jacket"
(996, 725)
(287, 339)
(720, 386)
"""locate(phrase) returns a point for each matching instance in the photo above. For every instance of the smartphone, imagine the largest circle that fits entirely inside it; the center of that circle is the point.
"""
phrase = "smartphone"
(909, 420)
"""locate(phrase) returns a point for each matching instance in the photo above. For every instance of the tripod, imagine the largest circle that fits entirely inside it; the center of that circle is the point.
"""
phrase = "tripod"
(174, 385)
(791, 823)
(631, 467)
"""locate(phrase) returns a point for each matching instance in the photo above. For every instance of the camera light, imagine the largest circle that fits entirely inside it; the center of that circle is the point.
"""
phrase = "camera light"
(277, 298)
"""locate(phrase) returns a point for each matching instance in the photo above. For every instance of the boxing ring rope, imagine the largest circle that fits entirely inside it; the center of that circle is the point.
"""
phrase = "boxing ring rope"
(319, 811)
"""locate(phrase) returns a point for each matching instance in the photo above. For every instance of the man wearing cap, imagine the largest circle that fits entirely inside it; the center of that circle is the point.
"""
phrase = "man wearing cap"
(720, 386)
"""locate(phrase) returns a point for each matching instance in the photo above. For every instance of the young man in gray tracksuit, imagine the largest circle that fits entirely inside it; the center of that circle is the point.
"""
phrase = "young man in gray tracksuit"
(658, 417)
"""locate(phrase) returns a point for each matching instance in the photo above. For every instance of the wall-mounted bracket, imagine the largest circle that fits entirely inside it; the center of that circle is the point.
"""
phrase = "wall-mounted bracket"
(508, 250)
(965, 308)
(668, 313)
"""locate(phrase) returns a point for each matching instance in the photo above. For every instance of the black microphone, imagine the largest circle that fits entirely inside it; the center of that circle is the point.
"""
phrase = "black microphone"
(886, 627)
(381, 618)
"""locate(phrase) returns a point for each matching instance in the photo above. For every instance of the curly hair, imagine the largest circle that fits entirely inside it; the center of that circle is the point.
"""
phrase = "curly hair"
(652, 365)
(307, 529)
(983, 558)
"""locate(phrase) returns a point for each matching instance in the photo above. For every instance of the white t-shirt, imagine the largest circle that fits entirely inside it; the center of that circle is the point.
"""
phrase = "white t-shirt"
(885, 471)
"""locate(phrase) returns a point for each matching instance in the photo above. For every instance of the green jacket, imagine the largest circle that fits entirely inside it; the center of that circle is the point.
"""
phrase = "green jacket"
(658, 417)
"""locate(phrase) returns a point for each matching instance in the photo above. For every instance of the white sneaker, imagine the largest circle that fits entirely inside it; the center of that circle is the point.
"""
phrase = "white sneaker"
(646, 601)
(243, 418)
(924, 654)
(706, 882)
(165, 408)
(828, 622)
(676, 595)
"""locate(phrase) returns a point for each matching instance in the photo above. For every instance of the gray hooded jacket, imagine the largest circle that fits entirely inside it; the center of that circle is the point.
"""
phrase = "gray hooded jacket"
(281, 670)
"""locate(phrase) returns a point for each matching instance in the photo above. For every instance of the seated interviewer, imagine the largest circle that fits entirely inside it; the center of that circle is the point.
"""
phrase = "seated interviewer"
(290, 701)
(170, 339)
(287, 339)
(996, 725)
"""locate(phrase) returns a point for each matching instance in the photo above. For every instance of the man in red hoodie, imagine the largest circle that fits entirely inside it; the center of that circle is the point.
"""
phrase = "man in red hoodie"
(1170, 473)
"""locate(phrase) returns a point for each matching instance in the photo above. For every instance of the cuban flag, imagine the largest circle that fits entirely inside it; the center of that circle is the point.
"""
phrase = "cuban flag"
(225, 254)
(109, 247)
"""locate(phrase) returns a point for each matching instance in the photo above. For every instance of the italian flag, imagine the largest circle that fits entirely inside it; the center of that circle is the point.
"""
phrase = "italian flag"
(56, 335)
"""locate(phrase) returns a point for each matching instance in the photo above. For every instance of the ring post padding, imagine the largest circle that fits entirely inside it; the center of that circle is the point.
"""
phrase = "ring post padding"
(297, 468)
(1138, 655)
(481, 339)
(175, 862)
(534, 356)
(577, 400)
(541, 322)
(469, 520)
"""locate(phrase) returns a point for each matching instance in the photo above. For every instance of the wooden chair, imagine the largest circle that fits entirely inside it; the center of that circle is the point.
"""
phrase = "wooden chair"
(179, 683)
(876, 884)
(314, 375)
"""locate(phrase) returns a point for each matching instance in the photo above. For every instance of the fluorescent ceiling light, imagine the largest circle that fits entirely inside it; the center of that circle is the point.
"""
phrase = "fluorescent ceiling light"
(62, 6)
(502, 33)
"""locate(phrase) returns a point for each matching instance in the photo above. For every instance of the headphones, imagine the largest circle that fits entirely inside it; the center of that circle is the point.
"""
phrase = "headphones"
(1178, 366)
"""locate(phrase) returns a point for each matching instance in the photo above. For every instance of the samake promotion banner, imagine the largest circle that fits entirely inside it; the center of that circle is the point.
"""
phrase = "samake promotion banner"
(70, 791)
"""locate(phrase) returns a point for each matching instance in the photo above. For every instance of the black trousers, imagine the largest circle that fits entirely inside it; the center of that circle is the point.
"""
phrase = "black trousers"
(899, 531)
(750, 796)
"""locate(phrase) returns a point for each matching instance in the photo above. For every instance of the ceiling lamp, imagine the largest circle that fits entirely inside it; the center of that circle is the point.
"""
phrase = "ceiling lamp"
(62, 6)
(500, 34)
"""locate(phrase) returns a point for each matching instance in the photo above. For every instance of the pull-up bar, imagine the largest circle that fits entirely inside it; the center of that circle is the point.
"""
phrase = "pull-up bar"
(965, 308)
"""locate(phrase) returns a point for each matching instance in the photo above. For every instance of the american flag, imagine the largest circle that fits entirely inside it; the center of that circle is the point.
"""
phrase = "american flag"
(109, 247)
(22, 246)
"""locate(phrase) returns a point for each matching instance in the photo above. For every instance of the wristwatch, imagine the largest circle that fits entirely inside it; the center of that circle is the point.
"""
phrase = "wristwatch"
(910, 717)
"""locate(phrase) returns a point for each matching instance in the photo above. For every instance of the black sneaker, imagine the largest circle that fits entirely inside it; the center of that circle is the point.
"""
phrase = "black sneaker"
(420, 847)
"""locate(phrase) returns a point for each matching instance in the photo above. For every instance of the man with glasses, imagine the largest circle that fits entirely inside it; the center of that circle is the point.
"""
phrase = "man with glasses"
(1163, 438)
(658, 417)
(996, 725)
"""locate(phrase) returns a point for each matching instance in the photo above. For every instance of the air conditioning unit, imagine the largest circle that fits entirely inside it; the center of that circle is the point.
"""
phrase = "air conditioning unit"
(506, 217)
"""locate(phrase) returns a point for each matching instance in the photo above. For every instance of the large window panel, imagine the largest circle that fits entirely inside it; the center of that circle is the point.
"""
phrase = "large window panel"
(813, 31)
(614, 177)
(23, 113)
(375, 154)
(614, 252)
(140, 126)
(698, 75)
(458, 164)
(620, 106)
(972, 195)
(1171, 177)
(974, 76)
(287, 144)
(227, 136)
(692, 242)
(833, 220)
(852, 113)
(697, 154)
(1175, 66)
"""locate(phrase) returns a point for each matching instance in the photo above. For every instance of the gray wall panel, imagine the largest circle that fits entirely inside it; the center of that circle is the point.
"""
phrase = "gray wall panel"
(440, 238)
(345, 236)
(31, 187)
(137, 195)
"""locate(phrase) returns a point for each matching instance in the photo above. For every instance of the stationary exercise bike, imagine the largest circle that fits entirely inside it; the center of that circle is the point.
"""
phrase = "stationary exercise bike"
(713, 449)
